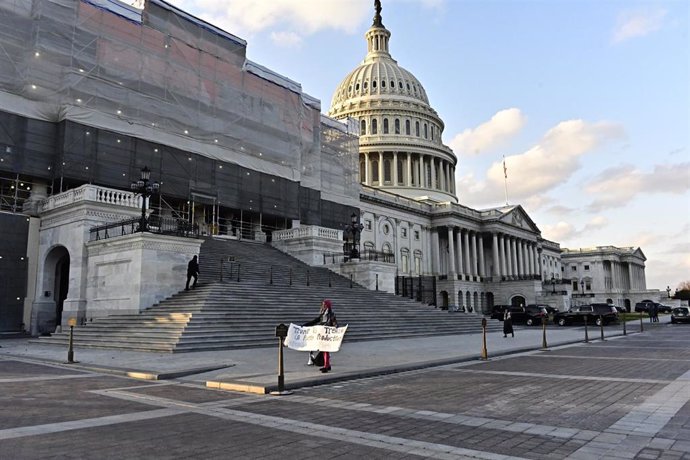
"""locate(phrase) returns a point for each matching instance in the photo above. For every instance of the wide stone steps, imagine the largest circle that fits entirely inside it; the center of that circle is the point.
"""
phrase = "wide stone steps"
(230, 314)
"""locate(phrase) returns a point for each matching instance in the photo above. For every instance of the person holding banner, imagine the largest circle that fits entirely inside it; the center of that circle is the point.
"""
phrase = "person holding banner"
(326, 318)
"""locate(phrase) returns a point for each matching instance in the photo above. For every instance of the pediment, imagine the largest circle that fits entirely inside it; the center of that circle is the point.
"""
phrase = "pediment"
(517, 217)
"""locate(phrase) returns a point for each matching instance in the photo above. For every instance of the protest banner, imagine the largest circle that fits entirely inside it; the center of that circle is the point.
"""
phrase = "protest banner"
(312, 338)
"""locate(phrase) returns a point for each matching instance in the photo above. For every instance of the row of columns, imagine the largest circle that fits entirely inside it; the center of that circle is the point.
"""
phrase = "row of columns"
(511, 256)
(419, 170)
(551, 268)
(627, 276)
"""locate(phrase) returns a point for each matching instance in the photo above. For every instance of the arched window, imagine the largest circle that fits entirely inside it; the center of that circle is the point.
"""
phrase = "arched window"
(397, 126)
(363, 127)
(374, 126)
(362, 172)
(407, 127)
(400, 171)
(418, 261)
(416, 128)
(373, 84)
(369, 246)
(375, 171)
(426, 131)
(387, 170)
(387, 248)
(432, 132)
(385, 126)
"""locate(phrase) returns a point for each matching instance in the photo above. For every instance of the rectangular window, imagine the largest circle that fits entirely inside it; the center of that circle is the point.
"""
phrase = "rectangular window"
(588, 286)
(586, 267)
(416, 235)
(367, 224)
(573, 268)
(404, 232)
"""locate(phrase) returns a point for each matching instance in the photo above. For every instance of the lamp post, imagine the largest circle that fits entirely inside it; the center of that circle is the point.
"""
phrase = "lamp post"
(355, 228)
(145, 188)
(553, 284)
(668, 291)
(582, 288)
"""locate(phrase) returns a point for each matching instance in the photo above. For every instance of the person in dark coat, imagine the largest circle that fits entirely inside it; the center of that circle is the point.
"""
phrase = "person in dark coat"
(326, 318)
(192, 271)
(507, 324)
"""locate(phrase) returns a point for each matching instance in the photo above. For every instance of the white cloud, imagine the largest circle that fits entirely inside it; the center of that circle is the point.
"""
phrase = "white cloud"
(617, 186)
(491, 134)
(560, 232)
(301, 18)
(596, 223)
(543, 167)
(637, 23)
(286, 39)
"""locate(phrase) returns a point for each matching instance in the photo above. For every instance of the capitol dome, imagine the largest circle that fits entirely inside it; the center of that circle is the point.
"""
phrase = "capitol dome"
(401, 147)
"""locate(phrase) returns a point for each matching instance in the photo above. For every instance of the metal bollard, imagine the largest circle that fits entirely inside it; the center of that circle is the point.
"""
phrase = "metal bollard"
(329, 278)
(625, 332)
(641, 326)
(307, 277)
(601, 326)
(238, 273)
(543, 333)
(586, 333)
(270, 270)
(281, 333)
(70, 350)
(377, 281)
(350, 280)
(485, 353)
(290, 276)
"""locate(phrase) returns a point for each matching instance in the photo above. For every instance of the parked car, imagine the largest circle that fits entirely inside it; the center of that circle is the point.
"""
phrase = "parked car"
(530, 315)
(549, 309)
(597, 313)
(664, 308)
(680, 315)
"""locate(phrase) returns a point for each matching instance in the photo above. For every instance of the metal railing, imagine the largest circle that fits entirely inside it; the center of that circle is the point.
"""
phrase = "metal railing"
(331, 258)
(155, 224)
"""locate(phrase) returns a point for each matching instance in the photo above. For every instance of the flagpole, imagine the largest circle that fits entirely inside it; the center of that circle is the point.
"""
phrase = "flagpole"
(505, 178)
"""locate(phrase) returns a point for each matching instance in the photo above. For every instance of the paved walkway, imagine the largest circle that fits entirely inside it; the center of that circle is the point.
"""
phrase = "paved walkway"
(255, 370)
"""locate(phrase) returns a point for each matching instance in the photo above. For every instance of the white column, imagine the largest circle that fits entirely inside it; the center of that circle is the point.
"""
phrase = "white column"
(435, 252)
(474, 253)
(480, 249)
(381, 168)
(367, 179)
(422, 173)
(502, 254)
(494, 253)
(408, 176)
(466, 250)
(458, 245)
(395, 169)
(520, 255)
(432, 165)
(451, 253)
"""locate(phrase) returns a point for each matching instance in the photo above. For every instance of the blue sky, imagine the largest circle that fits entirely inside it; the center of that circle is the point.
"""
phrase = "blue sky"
(587, 99)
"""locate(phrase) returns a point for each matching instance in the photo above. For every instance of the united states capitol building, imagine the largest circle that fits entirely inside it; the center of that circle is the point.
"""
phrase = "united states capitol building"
(91, 92)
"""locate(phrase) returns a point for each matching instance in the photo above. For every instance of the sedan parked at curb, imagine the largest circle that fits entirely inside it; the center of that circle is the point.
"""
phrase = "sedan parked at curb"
(594, 314)
(680, 315)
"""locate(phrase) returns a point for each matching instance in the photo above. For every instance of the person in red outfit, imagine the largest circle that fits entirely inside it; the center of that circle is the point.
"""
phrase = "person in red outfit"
(326, 318)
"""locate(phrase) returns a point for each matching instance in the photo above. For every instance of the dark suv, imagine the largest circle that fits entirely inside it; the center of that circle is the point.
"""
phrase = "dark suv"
(645, 305)
(596, 313)
(530, 315)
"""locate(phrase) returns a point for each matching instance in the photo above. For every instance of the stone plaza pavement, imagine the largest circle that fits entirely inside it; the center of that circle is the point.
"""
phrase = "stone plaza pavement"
(625, 397)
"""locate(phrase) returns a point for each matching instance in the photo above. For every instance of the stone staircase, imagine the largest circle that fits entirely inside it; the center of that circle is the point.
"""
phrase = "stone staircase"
(273, 288)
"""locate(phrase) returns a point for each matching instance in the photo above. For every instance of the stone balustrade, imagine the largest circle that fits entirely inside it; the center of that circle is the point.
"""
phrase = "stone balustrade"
(306, 231)
(95, 194)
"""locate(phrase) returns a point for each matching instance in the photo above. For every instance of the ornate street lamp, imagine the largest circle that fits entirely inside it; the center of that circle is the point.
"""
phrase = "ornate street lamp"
(145, 188)
(355, 228)
(553, 284)
(582, 287)
(668, 291)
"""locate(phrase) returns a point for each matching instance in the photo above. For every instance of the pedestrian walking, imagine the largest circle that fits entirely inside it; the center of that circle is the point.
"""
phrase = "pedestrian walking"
(192, 272)
(326, 318)
(507, 324)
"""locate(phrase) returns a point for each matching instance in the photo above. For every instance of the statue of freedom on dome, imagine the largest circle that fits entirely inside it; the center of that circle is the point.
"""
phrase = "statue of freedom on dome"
(377, 17)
